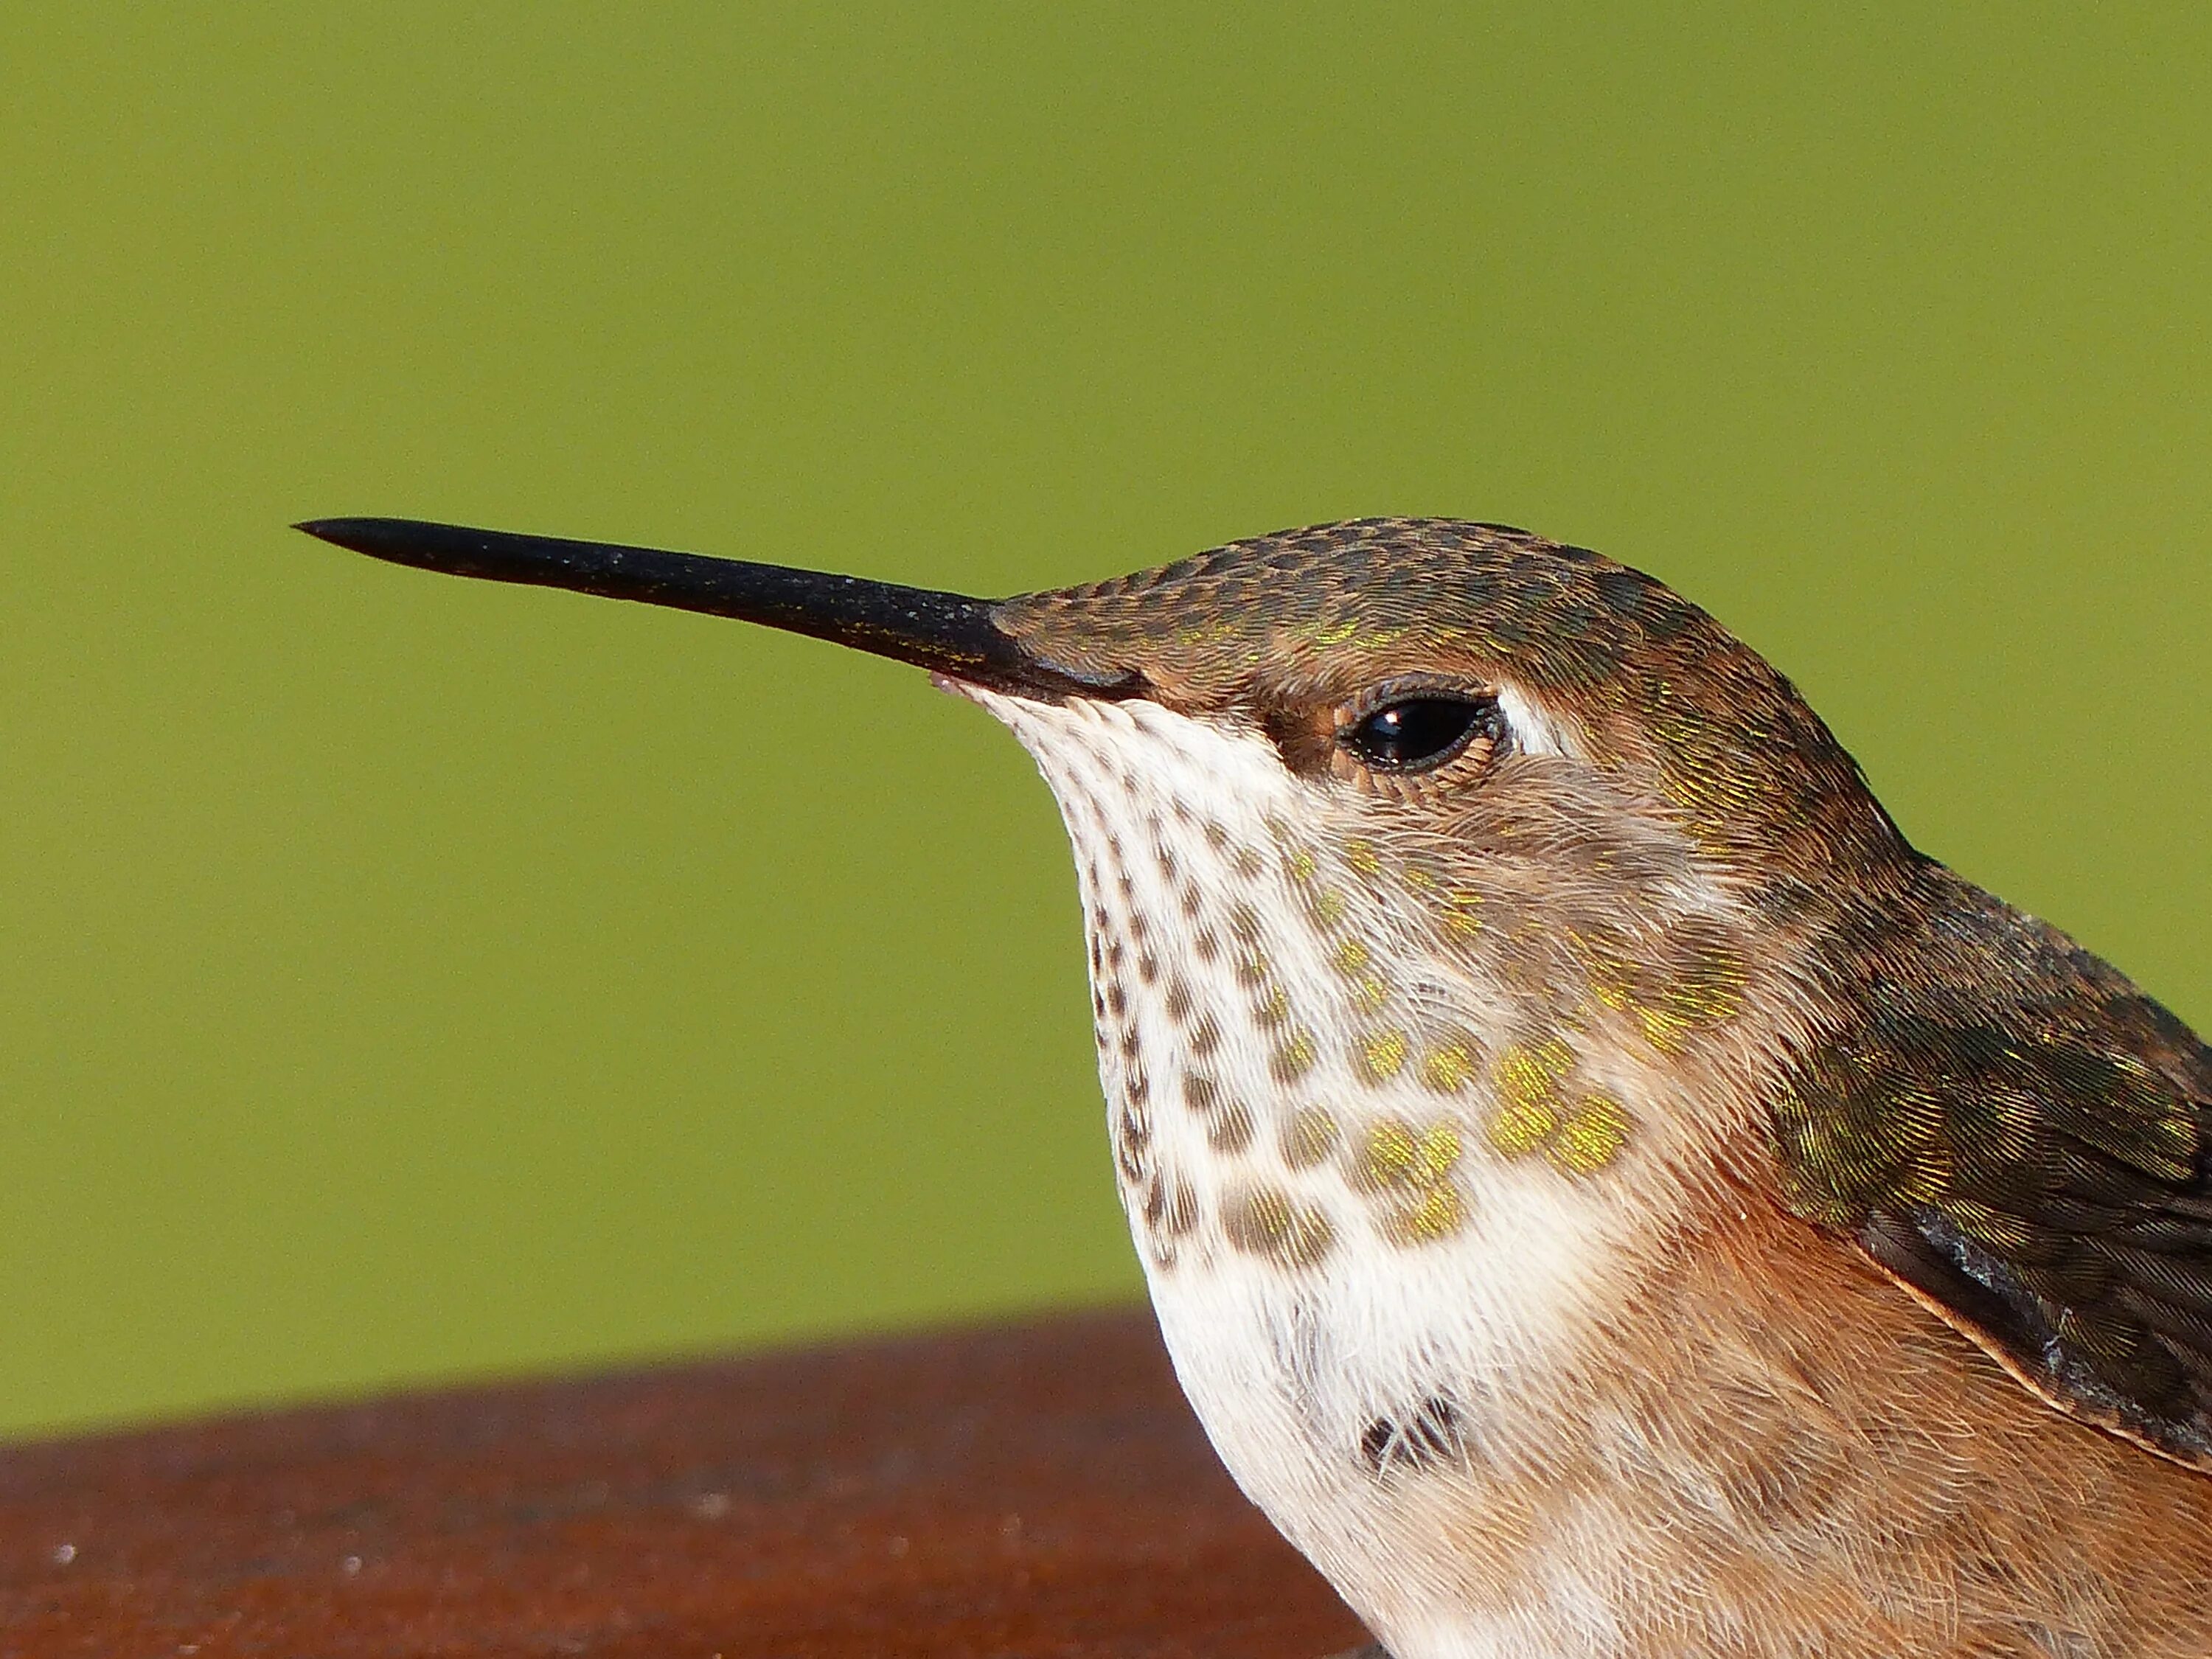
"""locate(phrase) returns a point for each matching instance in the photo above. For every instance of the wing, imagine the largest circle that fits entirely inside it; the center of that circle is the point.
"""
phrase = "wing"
(2024, 1140)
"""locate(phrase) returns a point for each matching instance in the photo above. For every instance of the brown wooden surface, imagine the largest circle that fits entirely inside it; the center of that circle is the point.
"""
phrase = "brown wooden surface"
(1036, 1490)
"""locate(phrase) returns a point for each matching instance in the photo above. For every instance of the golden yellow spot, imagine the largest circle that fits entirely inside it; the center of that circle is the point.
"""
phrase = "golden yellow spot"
(1393, 1156)
(1362, 857)
(1527, 1077)
(1593, 1131)
(1372, 993)
(1292, 1059)
(1462, 912)
(1390, 1153)
(1309, 1137)
(1440, 1214)
(1701, 986)
(1412, 1171)
(1520, 1127)
(1275, 1010)
(1300, 864)
(1440, 1150)
(1327, 906)
(1605, 969)
(1449, 1069)
(1708, 984)
(1350, 956)
(1532, 1072)
(1269, 1223)
(1387, 1157)
(1663, 1028)
(1382, 1055)
(1418, 876)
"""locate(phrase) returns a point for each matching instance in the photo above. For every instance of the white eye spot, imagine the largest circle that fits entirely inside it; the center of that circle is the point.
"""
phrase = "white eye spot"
(1534, 731)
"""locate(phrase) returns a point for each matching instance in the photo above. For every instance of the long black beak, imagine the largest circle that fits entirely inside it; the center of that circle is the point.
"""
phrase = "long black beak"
(950, 633)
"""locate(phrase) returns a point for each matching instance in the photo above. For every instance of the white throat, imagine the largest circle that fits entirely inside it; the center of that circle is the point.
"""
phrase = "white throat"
(1362, 1194)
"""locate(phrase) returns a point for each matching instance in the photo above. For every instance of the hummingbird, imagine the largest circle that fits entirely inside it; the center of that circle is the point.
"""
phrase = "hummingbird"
(1603, 1192)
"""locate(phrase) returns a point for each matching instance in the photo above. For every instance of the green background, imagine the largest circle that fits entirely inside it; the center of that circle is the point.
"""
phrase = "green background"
(409, 979)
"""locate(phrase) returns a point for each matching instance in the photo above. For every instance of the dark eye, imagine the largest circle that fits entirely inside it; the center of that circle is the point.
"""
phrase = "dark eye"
(1415, 733)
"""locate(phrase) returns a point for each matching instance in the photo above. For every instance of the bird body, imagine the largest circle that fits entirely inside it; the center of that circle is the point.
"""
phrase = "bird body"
(1603, 1192)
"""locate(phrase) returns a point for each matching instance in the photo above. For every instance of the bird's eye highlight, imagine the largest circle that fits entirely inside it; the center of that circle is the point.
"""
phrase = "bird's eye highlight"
(1413, 734)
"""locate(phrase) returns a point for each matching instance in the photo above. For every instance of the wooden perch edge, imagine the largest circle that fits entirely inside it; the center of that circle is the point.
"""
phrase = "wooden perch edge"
(1031, 1490)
